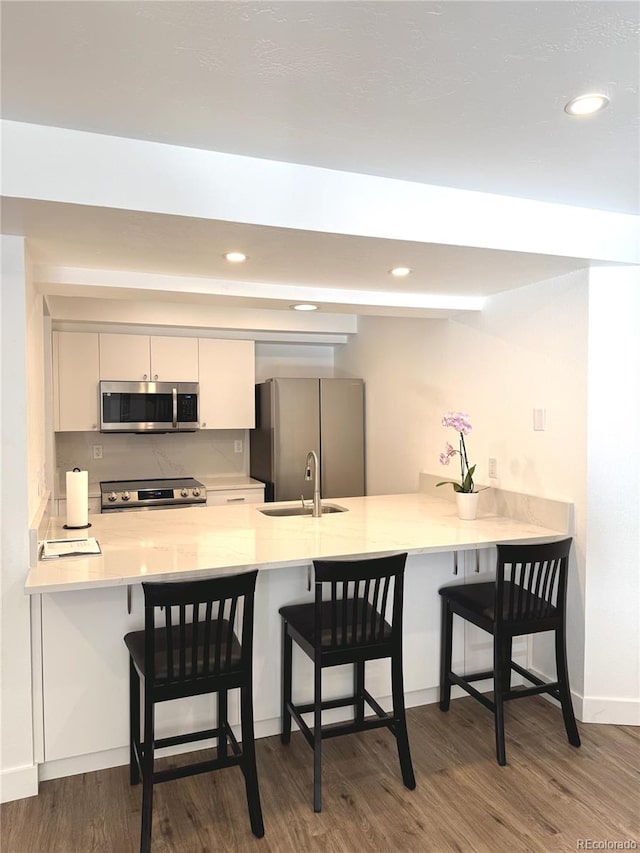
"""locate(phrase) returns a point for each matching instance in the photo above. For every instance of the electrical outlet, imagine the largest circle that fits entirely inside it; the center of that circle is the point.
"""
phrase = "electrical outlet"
(493, 468)
(237, 446)
(97, 451)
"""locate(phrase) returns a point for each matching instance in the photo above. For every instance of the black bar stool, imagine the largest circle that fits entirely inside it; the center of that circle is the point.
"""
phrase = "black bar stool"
(527, 597)
(347, 624)
(194, 650)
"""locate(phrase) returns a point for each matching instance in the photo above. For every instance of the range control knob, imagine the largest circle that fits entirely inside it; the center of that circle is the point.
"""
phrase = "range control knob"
(196, 493)
(126, 496)
(112, 497)
(184, 493)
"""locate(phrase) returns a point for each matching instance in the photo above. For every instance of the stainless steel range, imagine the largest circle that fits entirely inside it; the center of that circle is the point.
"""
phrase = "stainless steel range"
(124, 495)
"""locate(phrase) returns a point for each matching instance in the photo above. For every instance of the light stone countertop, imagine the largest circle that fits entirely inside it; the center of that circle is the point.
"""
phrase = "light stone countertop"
(204, 541)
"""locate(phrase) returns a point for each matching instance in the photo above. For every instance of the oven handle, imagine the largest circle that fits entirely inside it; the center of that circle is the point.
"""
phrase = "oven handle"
(174, 394)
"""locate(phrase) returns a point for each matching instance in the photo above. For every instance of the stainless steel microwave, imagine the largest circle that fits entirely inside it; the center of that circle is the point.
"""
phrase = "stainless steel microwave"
(148, 406)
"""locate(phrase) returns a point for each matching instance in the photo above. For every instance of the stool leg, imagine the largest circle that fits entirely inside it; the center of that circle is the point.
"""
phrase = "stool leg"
(222, 723)
(507, 649)
(498, 673)
(358, 691)
(134, 723)
(249, 768)
(446, 642)
(317, 736)
(400, 725)
(564, 690)
(287, 664)
(147, 775)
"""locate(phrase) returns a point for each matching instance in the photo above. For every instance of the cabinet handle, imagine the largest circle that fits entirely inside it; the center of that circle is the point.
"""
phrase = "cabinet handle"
(94, 426)
(477, 560)
(155, 376)
(204, 424)
(235, 500)
(144, 375)
(455, 562)
(128, 598)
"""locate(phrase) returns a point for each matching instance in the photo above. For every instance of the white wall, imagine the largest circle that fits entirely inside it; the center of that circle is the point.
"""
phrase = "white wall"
(612, 606)
(17, 768)
(299, 360)
(527, 349)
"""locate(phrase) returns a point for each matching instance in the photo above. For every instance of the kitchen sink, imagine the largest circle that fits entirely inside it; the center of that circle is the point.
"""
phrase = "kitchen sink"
(300, 510)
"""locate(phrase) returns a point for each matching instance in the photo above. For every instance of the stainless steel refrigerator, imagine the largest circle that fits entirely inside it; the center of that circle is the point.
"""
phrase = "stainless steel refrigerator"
(294, 416)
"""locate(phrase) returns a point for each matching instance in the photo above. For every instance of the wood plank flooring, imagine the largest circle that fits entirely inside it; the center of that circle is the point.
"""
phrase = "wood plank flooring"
(548, 798)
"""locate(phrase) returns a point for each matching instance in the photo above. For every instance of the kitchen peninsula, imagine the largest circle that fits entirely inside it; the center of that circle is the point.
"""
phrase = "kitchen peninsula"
(194, 542)
(80, 613)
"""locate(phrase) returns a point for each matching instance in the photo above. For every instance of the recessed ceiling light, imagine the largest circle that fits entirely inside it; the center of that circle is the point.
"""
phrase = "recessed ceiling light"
(235, 257)
(304, 306)
(400, 272)
(586, 105)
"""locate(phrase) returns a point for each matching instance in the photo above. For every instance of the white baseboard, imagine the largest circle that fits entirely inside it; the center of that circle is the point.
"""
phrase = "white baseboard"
(84, 763)
(617, 712)
(599, 709)
(18, 783)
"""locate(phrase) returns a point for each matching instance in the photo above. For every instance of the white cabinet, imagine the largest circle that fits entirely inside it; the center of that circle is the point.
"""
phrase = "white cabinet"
(76, 374)
(85, 673)
(143, 358)
(227, 384)
(231, 497)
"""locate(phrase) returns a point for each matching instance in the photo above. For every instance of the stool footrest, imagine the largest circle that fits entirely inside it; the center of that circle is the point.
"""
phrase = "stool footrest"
(335, 729)
(195, 769)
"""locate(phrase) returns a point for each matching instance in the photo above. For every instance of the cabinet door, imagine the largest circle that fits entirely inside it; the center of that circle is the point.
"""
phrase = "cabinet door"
(77, 368)
(85, 668)
(124, 357)
(174, 359)
(227, 378)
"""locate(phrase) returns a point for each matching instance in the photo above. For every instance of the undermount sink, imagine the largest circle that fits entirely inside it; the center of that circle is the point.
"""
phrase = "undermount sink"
(299, 510)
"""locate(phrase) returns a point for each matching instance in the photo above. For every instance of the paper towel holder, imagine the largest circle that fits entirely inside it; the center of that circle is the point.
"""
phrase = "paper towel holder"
(76, 526)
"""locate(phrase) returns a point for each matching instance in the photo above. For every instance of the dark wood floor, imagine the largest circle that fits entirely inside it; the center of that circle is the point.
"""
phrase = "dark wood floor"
(549, 797)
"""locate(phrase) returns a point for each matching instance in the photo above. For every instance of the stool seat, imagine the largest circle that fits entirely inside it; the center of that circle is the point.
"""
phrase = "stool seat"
(352, 623)
(479, 600)
(208, 657)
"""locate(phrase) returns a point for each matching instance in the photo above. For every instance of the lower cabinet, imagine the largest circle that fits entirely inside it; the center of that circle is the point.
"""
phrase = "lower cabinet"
(85, 676)
(235, 496)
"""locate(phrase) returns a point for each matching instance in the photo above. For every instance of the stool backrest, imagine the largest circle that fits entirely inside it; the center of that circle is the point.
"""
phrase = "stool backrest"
(198, 621)
(378, 581)
(531, 582)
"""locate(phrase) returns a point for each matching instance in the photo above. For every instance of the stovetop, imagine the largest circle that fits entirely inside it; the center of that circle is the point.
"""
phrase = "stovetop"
(159, 492)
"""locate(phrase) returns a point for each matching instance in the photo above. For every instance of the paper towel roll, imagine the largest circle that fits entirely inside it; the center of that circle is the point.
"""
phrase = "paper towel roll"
(77, 498)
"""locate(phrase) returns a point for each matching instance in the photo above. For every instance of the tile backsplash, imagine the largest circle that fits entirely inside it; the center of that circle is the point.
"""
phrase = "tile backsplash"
(207, 453)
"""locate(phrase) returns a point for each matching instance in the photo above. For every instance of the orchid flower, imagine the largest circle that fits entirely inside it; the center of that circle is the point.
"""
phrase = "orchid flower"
(462, 425)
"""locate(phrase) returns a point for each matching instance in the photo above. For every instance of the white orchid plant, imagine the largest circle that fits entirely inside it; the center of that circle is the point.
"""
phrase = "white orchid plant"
(460, 422)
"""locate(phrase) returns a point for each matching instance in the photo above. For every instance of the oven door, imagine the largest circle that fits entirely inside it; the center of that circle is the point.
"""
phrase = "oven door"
(148, 406)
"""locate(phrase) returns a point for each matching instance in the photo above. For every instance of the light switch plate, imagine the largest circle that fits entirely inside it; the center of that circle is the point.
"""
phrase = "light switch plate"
(539, 419)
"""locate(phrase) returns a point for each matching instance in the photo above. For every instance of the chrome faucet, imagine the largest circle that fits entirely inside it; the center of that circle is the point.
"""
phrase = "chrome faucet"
(312, 457)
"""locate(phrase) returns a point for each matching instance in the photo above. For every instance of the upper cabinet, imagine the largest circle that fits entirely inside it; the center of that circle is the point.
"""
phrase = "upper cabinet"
(225, 370)
(142, 358)
(227, 380)
(75, 381)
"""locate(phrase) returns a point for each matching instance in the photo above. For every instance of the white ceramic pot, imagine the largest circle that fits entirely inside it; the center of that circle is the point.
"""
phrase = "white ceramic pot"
(467, 505)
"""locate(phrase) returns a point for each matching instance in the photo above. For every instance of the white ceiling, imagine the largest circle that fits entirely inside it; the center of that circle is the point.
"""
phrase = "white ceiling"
(458, 94)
